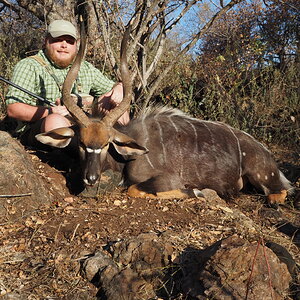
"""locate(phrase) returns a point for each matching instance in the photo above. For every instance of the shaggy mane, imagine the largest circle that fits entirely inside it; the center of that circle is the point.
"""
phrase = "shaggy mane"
(156, 110)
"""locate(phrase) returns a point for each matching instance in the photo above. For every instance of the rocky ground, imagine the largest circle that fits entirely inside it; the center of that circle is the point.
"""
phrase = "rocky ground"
(115, 247)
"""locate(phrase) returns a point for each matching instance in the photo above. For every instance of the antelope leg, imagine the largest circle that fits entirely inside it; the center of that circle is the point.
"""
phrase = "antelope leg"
(277, 198)
(135, 191)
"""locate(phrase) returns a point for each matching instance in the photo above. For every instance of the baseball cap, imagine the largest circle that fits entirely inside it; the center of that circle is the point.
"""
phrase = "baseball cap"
(62, 27)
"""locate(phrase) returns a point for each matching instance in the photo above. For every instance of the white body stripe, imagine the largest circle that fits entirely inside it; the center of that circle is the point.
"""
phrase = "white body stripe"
(180, 150)
(146, 140)
(239, 149)
(161, 138)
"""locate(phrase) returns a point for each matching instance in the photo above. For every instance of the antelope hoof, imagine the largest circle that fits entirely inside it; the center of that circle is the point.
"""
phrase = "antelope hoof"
(198, 193)
(277, 198)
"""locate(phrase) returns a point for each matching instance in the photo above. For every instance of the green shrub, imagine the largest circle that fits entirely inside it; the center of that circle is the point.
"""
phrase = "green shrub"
(265, 103)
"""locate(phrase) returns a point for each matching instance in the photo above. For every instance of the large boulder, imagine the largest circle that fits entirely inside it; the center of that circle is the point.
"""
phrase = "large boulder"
(131, 269)
(25, 182)
(235, 269)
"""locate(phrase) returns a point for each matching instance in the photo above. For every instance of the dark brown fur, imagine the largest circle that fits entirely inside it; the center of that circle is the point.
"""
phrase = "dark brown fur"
(187, 153)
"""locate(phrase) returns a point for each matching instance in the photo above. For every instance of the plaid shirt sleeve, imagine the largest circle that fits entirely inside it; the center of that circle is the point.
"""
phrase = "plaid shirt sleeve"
(24, 75)
(94, 82)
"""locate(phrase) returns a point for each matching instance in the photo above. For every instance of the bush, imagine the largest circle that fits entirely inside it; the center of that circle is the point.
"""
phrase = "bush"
(18, 39)
(264, 103)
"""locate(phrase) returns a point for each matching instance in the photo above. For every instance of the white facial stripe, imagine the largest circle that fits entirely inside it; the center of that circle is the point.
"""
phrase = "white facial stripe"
(96, 151)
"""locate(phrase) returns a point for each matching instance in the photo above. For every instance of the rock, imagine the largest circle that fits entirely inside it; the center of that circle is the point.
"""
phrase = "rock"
(130, 269)
(12, 296)
(212, 198)
(232, 268)
(99, 265)
(21, 175)
(224, 271)
(284, 256)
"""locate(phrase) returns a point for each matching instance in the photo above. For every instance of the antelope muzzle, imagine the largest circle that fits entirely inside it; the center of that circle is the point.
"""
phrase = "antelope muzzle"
(90, 159)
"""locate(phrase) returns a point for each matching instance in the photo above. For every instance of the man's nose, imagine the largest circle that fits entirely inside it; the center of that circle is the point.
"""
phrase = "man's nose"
(64, 43)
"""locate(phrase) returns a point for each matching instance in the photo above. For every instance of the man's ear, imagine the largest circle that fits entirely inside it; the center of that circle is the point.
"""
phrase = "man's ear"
(59, 138)
(125, 145)
(46, 40)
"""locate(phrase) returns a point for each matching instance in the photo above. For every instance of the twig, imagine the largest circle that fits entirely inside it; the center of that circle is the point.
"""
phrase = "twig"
(56, 235)
(269, 270)
(30, 213)
(33, 235)
(13, 261)
(37, 229)
(73, 235)
(260, 242)
(252, 268)
(16, 195)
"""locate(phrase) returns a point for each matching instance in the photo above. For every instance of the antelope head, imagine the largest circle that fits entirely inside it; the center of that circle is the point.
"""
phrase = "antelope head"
(94, 135)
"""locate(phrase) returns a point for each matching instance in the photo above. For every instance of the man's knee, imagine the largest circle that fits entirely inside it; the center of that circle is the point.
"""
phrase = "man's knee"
(54, 121)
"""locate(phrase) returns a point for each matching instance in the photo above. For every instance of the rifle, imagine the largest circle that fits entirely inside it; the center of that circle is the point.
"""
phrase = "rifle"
(27, 92)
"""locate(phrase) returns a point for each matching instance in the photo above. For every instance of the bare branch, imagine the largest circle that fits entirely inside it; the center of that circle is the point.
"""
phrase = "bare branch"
(143, 24)
(10, 5)
(160, 41)
(106, 37)
(189, 46)
(160, 48)
(183, 12)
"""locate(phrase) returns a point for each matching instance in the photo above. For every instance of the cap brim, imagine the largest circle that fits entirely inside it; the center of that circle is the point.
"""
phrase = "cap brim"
(56, 34)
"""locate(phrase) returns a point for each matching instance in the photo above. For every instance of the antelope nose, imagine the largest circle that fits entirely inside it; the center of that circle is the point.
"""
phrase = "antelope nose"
(92, 179)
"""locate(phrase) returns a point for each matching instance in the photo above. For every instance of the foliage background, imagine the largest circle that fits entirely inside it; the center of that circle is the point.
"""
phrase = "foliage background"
(243, 69)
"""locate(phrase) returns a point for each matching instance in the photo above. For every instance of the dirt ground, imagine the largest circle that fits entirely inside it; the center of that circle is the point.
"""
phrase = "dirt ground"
(41, 252)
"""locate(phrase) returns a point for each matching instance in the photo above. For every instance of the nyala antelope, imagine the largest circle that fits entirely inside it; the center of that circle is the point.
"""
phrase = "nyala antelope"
(164, 152)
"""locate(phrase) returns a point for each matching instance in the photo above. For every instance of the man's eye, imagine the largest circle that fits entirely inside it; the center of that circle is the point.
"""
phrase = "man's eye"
(58, 40)
(71, 42)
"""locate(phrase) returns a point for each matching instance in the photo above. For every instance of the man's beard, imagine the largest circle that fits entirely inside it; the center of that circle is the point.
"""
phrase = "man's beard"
(57, 61)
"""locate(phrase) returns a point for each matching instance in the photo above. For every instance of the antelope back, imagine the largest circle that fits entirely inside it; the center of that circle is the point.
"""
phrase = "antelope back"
(185, 152)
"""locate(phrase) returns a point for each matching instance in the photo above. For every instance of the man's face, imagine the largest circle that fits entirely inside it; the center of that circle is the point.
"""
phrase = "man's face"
(61, 50)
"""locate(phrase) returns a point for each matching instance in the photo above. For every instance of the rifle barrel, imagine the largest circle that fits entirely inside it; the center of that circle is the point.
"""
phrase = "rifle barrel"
(26, 91)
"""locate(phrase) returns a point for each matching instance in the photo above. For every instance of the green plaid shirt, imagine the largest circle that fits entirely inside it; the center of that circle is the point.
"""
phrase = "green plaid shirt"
(31, 75)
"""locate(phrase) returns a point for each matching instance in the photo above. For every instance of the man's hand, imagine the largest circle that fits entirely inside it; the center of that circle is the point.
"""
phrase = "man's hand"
(116, 94)
(59, 109)
(110, 100)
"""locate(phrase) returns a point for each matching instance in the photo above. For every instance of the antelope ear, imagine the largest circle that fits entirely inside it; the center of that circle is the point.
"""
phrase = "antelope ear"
(59, 138)
(125, 145)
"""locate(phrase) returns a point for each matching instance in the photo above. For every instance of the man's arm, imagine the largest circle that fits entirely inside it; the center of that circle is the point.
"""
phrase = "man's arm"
(29, 113)
(26, 112)
(20, 105)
